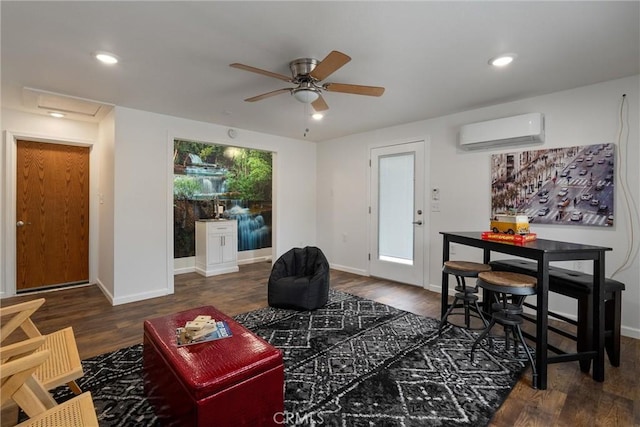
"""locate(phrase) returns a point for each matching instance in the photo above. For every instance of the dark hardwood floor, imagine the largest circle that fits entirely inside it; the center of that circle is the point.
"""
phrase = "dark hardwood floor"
(572, 398)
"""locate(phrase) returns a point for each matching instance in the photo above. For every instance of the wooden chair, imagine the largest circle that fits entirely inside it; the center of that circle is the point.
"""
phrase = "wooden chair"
(64, 365)
(19, 386)
(23, 387)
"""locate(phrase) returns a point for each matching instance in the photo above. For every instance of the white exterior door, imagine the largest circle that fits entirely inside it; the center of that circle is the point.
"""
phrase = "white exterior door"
(397, 213)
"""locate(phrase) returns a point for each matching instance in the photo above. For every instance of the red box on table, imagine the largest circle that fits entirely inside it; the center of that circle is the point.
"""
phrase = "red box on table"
(518, 239)
(234, 381)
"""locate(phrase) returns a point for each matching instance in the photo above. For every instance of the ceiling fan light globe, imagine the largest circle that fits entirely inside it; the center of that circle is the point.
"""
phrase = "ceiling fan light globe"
(306, 96)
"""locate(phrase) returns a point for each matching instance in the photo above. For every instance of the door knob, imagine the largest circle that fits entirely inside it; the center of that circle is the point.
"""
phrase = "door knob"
(417, 222)
(19, 224)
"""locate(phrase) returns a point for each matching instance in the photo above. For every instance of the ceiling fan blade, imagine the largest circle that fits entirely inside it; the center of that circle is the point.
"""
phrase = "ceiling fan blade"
(267, 95)
(333, 61)
(260, 71)
(354, 89)
(320, 104)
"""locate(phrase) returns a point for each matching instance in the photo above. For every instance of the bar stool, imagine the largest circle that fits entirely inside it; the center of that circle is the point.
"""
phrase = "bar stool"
(507, 286)
(465, 296)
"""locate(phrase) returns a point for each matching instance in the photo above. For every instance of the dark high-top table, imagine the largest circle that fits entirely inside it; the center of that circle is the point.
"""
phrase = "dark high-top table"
(544, 251)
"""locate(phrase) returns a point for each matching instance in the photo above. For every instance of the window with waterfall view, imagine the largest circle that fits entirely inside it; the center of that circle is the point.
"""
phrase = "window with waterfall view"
(239, 179)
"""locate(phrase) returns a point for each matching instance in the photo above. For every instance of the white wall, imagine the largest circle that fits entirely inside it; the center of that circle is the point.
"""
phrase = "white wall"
(131, 224)
(106, 196)
(142, 204)
(587, 115)
(131, 171)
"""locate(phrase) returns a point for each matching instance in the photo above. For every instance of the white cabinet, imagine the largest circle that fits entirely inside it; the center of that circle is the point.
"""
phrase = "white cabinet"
(216, 247)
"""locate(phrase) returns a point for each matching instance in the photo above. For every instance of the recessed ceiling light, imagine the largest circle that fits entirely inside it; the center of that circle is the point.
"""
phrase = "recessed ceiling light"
(317, 116)
(502, 60)
(106, 58)
(56, 114)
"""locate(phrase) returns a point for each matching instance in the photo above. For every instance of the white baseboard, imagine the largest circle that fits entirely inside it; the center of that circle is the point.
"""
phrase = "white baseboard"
(184, 270)
(105, 291)
(434, 288)
(254, 260)
(627, 331)
(346, 269)
(130, 298)
(188, 265)
(139, 297)
(184, 265)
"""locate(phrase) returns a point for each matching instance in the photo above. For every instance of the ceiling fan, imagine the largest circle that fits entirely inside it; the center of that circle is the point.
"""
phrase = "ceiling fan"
(307, 74)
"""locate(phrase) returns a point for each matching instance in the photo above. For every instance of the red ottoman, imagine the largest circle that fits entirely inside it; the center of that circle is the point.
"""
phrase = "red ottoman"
(235, 381)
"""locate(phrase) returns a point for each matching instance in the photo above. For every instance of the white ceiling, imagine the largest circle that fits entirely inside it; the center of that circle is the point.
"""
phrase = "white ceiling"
(430, 56)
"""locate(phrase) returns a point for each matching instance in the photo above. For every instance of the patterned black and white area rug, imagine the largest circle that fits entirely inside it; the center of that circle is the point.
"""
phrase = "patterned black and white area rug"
(354, 362)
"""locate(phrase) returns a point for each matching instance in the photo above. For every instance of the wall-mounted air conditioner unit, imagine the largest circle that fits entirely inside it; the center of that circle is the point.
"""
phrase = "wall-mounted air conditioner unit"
(516, 130)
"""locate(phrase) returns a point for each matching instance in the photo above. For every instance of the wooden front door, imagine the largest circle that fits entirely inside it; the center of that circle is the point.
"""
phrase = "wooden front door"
(52, 212)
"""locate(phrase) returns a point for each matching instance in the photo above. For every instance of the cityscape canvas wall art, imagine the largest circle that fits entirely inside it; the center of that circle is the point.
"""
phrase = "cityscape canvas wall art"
(568, 186)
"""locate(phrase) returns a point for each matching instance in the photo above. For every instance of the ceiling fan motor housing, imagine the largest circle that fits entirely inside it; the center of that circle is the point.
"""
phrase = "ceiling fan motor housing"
(300, 68)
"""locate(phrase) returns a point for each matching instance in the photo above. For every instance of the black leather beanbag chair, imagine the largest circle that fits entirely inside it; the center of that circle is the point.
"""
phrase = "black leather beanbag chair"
(299, 280)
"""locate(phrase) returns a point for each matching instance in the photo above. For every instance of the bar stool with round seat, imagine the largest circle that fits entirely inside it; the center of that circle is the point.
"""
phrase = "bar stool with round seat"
(465, 296)
(509, 292)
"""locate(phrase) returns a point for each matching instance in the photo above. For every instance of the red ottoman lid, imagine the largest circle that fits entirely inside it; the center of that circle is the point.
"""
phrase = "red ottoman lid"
(209, 367)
